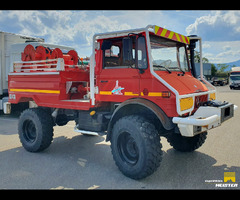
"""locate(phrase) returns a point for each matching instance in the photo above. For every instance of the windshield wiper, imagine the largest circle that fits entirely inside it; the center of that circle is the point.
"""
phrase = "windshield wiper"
(182, 70)
(163, 67)
(179, 69)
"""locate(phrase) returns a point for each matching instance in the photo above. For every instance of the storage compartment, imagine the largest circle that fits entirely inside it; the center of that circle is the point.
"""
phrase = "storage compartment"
(93, 122)
(74, 85)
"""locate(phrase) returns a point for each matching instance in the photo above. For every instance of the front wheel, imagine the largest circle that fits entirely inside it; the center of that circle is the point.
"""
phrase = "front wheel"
(186, 144)
(136, 146)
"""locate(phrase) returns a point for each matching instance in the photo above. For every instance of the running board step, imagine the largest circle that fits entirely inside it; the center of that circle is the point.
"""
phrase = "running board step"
(89, 132)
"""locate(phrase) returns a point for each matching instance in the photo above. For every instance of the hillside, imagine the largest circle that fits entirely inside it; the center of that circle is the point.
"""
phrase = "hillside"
(231, 64)
(236, 63)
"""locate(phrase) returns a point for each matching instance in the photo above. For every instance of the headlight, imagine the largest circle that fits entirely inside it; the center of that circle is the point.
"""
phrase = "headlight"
(186, 103)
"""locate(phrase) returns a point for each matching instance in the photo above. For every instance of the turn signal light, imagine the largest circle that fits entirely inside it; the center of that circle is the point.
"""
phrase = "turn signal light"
(166, 94)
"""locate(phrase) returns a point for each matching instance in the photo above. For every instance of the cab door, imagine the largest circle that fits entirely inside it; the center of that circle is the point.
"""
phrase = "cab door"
(118, 80)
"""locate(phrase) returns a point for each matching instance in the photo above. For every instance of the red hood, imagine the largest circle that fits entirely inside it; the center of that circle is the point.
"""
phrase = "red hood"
(183, 84)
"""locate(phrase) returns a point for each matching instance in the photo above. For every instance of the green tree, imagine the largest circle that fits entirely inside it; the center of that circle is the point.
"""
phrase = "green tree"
(222, 67)
(197, 58)
(213, 70)
(221, 70)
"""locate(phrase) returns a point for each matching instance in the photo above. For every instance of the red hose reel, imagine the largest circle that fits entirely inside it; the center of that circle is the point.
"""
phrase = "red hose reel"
(45, 53)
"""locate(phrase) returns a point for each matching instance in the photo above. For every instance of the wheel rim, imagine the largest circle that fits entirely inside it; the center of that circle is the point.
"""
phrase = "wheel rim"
(29, 131)
(127, 148)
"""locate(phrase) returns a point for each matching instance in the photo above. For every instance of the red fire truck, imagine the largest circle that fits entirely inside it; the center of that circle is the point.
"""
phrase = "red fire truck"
(139, 85)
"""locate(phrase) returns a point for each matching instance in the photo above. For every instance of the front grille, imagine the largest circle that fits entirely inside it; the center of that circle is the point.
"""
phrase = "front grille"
(199, 100)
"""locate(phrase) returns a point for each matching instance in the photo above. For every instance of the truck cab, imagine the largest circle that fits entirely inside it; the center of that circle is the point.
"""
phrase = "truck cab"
(158, 71)
(152, 65)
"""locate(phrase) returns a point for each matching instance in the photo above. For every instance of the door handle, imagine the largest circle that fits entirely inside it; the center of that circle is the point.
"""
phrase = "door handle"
(103, 81)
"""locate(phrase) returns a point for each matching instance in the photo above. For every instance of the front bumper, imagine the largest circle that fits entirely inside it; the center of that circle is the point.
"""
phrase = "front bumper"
(235, 85)
(205, 118)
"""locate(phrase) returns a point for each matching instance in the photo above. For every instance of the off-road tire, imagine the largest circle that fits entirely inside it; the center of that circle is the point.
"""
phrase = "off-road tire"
(35, 129)
(136, 146)
(186, 144)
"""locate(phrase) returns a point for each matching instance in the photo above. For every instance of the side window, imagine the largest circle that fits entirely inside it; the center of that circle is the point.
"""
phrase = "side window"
(113, 55)
(142, 53)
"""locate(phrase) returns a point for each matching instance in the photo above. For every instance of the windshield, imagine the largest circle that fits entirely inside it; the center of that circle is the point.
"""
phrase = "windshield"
(235, 78)
(168, 55)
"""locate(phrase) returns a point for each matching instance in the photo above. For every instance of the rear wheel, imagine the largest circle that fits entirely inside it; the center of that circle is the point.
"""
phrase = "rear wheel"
(35, 128)
(136, 146)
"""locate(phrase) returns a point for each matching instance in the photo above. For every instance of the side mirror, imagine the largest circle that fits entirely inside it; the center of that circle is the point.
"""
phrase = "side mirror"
(127, 50)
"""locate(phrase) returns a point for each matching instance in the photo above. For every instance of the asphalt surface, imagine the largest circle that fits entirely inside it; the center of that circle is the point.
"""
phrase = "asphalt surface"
(75, 161)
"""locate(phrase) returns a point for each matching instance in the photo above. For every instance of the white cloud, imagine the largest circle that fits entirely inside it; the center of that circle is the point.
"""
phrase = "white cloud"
(222, 51)
(217, 26)
(220, 30)
(72, 28)
(87, 27)
(206, 45)
(226, 48)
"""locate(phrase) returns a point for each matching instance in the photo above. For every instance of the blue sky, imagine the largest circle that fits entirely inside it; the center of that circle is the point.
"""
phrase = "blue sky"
(220, 30)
